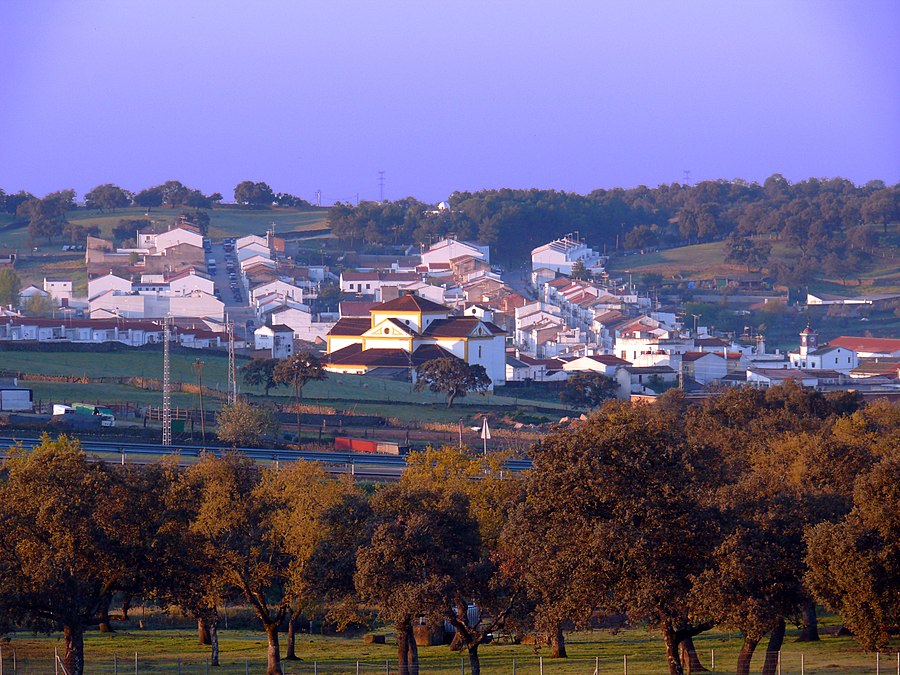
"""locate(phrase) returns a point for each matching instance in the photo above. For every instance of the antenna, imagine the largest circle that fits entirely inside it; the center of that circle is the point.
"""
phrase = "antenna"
(232, 371)
(381, 184)
(687, 176)
(167, 389)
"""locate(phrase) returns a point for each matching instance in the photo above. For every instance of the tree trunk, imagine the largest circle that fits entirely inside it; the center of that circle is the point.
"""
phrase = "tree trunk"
(214, 642)
(73, 661)
(558, 644)
(104, 616)
(273, 653)
(458, 643)
(809, 631)
(770, 667)
(203, 636)
(404, 635)
(126, 605)
(689, 658)
(672, 657)
(746, 655)
(412, 657)
(474, 661)
(292, 637)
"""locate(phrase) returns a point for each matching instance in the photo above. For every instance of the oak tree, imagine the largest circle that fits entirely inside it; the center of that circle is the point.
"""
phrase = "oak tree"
(451, 375)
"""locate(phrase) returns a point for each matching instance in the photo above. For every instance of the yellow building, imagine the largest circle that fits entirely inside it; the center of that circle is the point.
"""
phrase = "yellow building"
(405, 332)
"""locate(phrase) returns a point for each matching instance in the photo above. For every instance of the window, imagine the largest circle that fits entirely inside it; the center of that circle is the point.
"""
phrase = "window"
(479, 352)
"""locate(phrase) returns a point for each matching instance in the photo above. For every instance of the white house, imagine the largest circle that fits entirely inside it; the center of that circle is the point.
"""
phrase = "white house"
(447, 249)
(561, 255)
(31, 291)
(605, 364)
(252, 249)
(158, 243)
(108, 282)
(59, 289)
(371, 283)
(280, 287)
(704, 367)
(278, 339)
(812, 357)
(190, 280)
(869, 348)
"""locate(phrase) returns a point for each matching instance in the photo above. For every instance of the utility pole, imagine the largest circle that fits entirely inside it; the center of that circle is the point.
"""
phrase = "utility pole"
(198, 365)
(167, 389)
(232, 370)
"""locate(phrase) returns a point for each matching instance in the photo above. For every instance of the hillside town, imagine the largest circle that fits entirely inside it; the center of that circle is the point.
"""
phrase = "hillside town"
(564, 315)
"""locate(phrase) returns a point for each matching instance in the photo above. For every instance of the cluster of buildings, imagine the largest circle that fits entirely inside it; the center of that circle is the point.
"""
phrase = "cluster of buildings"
(567, 316)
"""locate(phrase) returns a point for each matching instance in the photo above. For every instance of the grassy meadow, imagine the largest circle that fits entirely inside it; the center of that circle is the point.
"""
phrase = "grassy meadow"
(707, 261)
(168, 650)
(354, 393)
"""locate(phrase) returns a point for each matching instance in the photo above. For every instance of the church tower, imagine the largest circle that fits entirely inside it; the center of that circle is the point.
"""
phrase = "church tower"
(809, 341)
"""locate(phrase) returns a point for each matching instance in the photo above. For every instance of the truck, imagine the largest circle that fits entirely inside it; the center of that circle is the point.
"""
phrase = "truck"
(369, 445)
(107, 417)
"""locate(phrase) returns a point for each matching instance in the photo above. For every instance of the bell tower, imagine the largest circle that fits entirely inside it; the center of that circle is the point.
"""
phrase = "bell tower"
(809, 341)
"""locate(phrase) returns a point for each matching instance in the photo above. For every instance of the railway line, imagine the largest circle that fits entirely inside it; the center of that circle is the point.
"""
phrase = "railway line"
(363, 466)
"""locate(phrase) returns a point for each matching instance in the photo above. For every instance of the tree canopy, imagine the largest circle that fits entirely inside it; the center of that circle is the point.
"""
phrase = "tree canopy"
(453, 376)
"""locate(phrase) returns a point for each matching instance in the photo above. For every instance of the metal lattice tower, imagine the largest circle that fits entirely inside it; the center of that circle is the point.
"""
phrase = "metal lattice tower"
(167, 388)
(232, 370)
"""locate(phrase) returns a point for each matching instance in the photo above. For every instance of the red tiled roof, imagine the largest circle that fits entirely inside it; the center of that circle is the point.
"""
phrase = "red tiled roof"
(694, 356)
(410, 303)
(350, 308)
(350, 326)
(710, 342)
(458, 326)
(609, 360)
(866, 344)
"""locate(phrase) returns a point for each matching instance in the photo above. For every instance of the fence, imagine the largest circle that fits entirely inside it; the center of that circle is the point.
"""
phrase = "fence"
(443, 664)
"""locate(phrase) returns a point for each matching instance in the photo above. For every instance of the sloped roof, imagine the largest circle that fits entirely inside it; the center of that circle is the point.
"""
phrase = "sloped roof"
(609, 360)
(695, 356)
(866, 344)
(350, 326)
(459, 326)
(410, 303)
(352, 308)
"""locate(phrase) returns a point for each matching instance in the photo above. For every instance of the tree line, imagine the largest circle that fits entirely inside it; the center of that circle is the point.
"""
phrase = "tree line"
(742, 512)
(46, 216)
(820, 218)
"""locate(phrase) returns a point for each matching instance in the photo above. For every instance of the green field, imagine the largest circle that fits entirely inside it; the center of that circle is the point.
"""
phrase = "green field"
(706, 261)
(167, 650)
(225, 221)
(363, 395)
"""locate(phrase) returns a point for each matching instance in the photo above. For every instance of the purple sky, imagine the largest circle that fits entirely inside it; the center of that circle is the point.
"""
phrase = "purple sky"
(444, 96)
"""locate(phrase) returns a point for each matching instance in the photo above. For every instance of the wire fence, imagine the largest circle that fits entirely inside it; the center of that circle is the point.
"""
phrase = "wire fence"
(794, 663)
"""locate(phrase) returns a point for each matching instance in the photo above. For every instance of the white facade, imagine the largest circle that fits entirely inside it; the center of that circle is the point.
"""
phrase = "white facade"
(278, 339)
(59, 289)
(279, 287)
(188, 282)
(447, 249)
(825, 358)
(108, 282)
(562, 254)
(156, 306)
(157, 243)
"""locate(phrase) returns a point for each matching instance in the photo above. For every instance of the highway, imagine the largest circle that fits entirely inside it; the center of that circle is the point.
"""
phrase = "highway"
(363, 466)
